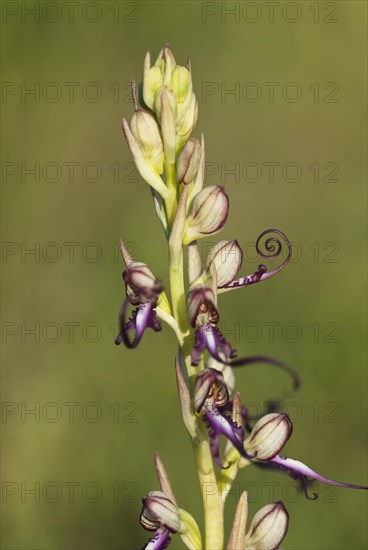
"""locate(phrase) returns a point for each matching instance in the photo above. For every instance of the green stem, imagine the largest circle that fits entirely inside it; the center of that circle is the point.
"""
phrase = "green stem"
(212, 504)
(171, 202)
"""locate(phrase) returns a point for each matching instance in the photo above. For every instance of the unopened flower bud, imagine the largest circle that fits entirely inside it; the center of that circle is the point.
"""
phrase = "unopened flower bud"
(188, 161)
(140, 282)
(201, 303)
(165, 104)
(170, 100)
(268, 528)
(186, 119)
(269, 435)
(158, 510)
(152, 81)
(227, 257)
(145, 130)
(207, 214)
(181, 83)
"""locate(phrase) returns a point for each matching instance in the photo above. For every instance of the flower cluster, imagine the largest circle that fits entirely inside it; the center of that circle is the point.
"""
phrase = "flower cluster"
(172, 163)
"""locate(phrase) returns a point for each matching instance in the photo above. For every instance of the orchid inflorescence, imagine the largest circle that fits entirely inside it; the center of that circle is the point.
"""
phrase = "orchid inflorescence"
(172, 163)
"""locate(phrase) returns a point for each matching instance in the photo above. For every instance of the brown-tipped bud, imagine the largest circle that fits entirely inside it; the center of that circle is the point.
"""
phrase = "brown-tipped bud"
(210, 383)
(269, 435)
(188, 161)
(158, 510)
(145, 130)
(201, 305)
(140, 282)
(208, 213)
(227, 257)
(268, 528)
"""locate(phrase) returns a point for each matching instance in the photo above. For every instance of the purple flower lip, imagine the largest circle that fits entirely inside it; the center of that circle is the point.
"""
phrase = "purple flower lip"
(159, 541)
(142, 291)
(219, 424)
(143, 316)
(209, 337)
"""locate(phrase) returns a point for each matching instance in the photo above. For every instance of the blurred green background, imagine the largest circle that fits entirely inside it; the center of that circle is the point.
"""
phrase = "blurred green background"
(90, 471)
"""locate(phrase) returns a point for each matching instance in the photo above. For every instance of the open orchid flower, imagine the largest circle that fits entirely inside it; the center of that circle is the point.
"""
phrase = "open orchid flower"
(161, 515)
(268, 437)
(273, 247)
(204, 316)
(211, 397)
(142, 292)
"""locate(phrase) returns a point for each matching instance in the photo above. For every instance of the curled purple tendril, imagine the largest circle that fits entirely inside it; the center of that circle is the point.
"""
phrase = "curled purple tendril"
(273, 247)
(246, 361)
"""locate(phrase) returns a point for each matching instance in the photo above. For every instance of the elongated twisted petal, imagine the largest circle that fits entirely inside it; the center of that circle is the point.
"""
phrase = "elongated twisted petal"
(269, 435)
(268, 528)
(144, 316)
(302, 472)
(254, 359)
(273, 247)
(159, 541)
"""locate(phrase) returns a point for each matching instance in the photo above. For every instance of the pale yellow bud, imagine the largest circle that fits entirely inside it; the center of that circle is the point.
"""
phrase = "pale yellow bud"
(227, 257)
(146, 132)
(159, 510)
(207, 214)
(269, 435)
(181, 83)
(268, 528)
(165, 104)
(188, 161)
(186, 120)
